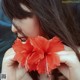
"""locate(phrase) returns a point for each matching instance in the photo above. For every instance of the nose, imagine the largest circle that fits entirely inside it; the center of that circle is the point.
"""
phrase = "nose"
(14, 29)
(19, 34)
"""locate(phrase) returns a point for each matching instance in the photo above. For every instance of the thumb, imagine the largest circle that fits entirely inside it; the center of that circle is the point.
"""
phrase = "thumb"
(68, 57)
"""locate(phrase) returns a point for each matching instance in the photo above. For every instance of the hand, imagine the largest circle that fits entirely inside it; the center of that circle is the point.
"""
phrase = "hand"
(13, 72)
(71, 65)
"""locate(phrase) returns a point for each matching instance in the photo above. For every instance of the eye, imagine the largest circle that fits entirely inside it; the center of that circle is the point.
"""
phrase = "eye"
(29, 14)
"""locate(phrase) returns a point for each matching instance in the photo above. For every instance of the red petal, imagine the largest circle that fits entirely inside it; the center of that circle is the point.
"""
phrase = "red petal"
(19, 46)
(53, 61)
(21, 58)
(22, 51)
(33, 67)
(50, 62)
(36, 57)
(41, 67)
(40, 42)
(55, 45)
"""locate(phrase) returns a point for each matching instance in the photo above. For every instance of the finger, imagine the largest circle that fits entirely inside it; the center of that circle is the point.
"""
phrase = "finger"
(64, 70)
(21, 74)
(68, 57)
(9, 52)
(26, 77)
(44, 77)
(8, 57)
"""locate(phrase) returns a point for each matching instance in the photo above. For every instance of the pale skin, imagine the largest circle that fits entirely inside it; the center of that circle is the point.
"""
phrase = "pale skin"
(30, 27)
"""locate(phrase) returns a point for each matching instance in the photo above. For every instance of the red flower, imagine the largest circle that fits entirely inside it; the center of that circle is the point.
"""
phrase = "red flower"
(22, 51)
(38, 53)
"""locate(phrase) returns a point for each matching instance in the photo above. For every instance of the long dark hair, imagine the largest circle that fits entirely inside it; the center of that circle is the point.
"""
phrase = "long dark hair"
(55, 18)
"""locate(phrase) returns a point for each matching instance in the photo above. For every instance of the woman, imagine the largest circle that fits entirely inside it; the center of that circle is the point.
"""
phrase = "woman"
(49, 18)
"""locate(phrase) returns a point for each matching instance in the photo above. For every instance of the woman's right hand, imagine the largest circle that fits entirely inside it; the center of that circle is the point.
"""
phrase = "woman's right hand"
(13, 72)
(71, 64)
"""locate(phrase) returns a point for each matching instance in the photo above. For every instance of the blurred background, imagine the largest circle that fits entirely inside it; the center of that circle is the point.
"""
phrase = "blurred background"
(6, 36)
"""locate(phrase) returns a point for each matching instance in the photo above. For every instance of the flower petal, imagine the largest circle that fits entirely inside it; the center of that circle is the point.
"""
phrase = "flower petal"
(55, 45)
(33, 67)
(22, 51)
(35, 57)
(41, 67)
(21, 58)
(40, 42)
(53, 61)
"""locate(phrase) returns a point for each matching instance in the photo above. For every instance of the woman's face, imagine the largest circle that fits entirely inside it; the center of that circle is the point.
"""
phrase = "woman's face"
(28, 27)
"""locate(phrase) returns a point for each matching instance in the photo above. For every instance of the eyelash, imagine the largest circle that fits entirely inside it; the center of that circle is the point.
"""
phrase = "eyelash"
(29, 14)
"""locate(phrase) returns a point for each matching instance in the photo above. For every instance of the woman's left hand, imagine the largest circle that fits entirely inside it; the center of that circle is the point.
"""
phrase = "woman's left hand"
(71, 65)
